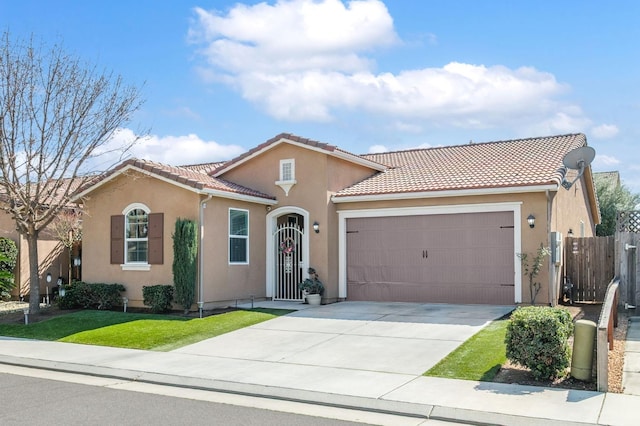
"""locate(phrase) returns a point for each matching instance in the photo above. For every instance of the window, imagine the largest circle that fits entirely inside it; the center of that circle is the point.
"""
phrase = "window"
(287, 175)
(287, 170)
(136, 236)
(238, 236)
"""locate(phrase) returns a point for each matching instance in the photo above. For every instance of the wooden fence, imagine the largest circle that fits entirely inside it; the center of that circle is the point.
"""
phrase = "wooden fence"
(589, 265)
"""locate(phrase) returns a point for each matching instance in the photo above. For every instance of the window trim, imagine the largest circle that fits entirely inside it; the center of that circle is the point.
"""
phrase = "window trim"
(292, 162)
(128, 265)
(229, 236)
(286, 185)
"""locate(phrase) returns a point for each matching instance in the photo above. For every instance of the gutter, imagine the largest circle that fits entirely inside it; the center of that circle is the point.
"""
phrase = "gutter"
(203, 205)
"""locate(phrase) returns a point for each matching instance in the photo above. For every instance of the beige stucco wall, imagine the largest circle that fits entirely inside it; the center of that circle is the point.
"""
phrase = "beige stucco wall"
(318, 177)
(111, 199)
(52, 258)
(570, 211)
(225, 283)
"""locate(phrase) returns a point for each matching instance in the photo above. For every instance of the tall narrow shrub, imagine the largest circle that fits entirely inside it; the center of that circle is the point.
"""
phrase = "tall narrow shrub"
(185, 253)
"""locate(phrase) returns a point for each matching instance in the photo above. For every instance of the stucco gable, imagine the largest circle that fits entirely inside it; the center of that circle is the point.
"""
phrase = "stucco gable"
(303, 143)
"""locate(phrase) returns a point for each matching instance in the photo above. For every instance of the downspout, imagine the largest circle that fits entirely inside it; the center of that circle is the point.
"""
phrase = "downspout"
(203, 205)
(552, 266)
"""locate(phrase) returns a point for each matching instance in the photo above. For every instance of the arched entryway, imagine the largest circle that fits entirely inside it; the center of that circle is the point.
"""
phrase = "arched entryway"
(287, 252)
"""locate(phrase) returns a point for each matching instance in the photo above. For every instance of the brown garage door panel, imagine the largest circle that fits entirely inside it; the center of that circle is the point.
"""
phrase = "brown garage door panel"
(438, 293)
(439, 258)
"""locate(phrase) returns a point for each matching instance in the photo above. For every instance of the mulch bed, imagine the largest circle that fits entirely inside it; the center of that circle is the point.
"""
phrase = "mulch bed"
(511, 373)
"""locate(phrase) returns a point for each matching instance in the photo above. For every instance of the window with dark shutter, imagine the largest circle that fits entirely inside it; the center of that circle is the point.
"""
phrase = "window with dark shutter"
(117, 239)
(156, 238)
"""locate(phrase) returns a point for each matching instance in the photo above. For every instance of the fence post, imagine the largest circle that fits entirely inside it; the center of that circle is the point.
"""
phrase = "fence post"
(604, 335)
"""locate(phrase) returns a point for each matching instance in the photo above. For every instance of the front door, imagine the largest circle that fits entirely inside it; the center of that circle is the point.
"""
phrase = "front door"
(288, 251)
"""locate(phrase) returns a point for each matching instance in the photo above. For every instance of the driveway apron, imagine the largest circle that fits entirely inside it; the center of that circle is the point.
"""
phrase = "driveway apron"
(400, 338)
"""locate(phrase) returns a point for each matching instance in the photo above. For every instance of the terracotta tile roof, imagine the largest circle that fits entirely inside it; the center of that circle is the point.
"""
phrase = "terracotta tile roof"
(293, 138)
(188, 176)
(204, 167)
(513, 163)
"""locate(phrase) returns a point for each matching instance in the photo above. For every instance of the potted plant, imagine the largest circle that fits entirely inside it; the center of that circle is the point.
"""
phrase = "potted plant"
(312, 288)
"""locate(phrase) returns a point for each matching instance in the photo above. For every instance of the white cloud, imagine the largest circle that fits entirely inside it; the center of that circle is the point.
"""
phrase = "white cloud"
(570, 120)
(306, 60)
(378, 149)
(173, 150)
(604, 131)
(181, 150)
(605, 161)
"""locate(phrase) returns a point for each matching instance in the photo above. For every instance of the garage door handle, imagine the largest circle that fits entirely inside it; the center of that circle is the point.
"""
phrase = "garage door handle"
(425, 254)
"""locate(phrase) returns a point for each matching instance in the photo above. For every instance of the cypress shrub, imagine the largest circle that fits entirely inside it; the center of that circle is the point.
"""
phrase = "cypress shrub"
(185, 253)
(537, 338)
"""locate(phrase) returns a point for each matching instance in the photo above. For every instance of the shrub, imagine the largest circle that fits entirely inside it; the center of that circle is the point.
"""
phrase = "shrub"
(8, 260)
(537, 338)
(95, 296)
(312, 285)
(158, 297)
(185, 251)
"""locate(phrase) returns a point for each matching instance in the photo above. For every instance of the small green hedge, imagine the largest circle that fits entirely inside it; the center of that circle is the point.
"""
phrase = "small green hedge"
(537, 338)
(158, 297)
(95, 296)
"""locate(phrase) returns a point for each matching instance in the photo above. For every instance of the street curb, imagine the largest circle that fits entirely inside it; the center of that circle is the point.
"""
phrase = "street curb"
(380, 405)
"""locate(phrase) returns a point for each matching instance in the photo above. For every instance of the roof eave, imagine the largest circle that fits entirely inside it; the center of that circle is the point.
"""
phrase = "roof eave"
(447, 193)
(203, 190)
(239, 197)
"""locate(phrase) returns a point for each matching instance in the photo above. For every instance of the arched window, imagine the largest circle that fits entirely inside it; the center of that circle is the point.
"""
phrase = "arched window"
(137, 236)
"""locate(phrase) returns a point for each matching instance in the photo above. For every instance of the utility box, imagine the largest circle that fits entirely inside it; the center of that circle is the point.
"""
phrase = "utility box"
(583, 342)
(556, 248)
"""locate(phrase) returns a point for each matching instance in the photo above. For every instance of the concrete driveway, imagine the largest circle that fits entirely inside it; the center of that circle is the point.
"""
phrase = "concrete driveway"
(401, 338)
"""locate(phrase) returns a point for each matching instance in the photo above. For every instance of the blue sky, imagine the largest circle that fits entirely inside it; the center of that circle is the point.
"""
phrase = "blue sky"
(221, 77)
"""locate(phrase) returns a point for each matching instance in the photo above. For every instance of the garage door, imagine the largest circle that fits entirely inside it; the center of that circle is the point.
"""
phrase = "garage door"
(452, 258)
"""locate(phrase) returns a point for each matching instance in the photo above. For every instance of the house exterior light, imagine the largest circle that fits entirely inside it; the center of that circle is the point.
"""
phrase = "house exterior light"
(531, 220)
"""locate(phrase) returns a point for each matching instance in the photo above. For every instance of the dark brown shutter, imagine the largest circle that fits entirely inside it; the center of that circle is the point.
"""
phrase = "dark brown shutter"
(156, 238)
(117, 239)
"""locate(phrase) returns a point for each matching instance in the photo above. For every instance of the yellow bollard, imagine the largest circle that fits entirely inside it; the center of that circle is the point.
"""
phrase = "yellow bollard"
(582, 357)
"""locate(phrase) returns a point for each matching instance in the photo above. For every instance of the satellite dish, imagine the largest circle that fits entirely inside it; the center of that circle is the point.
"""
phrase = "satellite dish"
(577, 159)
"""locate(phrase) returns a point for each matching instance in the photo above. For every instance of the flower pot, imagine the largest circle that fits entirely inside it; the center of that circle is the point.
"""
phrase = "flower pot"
(314, 299)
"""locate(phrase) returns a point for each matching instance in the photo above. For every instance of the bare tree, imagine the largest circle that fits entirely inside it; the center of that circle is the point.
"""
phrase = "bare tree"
(67, 228)
(57, 115)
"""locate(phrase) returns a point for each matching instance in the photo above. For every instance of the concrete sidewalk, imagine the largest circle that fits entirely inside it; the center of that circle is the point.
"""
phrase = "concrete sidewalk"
(401, 392)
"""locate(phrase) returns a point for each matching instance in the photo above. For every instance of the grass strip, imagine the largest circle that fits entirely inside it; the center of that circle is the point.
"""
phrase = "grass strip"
(136, 331)
(479, 358)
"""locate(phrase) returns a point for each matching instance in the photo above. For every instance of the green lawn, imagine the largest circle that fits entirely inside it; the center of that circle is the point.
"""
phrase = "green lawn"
(479, 358)
(137, 331)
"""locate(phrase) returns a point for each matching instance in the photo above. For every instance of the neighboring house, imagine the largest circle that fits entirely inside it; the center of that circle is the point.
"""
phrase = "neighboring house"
(441, 224)
(53, 257)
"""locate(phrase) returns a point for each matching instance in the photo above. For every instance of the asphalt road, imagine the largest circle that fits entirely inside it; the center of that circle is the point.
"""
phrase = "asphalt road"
(41, 397)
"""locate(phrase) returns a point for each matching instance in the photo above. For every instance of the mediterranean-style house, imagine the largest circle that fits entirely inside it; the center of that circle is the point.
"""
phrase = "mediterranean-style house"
(445, 224)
